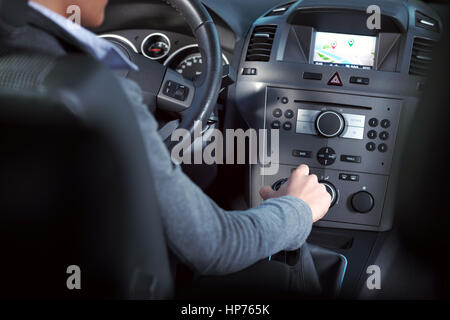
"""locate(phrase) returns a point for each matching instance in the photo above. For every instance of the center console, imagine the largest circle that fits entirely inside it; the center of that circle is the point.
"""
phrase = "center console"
(342, 96)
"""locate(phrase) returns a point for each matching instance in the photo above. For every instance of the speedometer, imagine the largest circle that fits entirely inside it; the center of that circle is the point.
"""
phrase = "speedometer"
(190, 67)
(187, 61)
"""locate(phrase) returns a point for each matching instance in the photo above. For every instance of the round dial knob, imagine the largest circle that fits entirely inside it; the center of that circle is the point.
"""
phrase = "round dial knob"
(332, 191)
(277, 185)
(362, 202)
(330, 124)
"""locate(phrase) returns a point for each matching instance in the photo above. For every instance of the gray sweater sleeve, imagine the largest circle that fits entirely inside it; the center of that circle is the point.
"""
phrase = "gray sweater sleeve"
(204, 236)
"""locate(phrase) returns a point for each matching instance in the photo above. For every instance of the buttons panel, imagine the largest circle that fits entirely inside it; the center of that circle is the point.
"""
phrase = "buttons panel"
(326, 156)
(359, 159)
(373, 135)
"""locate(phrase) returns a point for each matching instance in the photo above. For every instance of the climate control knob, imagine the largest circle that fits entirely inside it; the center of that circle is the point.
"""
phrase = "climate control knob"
(332, 191)
(362, 202)
(330, 124)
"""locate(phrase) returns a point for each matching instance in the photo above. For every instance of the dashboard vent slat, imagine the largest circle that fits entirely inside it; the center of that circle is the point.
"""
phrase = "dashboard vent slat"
(261, 43)
(280, 10)
(421, 57)
(425, 22)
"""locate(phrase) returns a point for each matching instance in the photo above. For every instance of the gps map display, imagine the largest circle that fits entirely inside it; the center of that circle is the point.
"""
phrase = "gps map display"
(346, 50)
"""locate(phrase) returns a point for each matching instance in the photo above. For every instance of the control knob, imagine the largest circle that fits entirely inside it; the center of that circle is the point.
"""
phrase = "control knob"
(332, 191)
(330, 124)
(362, 202)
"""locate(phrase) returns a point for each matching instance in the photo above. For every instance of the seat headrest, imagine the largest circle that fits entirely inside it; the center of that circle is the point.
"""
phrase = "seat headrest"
(13, 12)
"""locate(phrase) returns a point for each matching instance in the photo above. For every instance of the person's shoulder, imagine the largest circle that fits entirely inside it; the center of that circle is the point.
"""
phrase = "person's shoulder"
(31, 38)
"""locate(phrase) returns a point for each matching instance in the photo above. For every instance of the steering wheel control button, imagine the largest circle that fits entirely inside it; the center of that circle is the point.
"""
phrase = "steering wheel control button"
(362, 202)
(277, 113)
(312, 76)
(385, 123)
(335, 80)
(384, 135)
(359, 80)
(373, 122)
(287, 126)
(301, 154)
(284, 100)
(289, 114)
(372, 134)
(332, 191)
(353, 159)
(371, 146)
(382, 147)
(277, 185)
(330, 124)
(276, 125)
(249, 72)
(176, 90)
(326, 156)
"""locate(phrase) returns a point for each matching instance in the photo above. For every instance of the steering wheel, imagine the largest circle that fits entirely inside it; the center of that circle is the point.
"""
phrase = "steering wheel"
(193, 101)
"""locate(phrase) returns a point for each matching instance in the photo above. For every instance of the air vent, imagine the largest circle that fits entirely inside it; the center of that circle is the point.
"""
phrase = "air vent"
(279, 11)
(425, 22)
(421, 57)
(261, 43)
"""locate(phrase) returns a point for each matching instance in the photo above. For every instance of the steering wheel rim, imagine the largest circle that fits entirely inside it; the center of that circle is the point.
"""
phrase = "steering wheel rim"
(207, 87)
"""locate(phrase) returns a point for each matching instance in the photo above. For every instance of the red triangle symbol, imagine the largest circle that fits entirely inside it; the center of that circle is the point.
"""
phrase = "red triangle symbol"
(335, 80)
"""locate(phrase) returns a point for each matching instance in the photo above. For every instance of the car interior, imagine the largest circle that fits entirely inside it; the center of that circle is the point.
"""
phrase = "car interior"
(356, 88)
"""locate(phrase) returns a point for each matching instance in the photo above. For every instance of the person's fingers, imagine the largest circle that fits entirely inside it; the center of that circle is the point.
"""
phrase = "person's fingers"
(266, 192)
(302, 170)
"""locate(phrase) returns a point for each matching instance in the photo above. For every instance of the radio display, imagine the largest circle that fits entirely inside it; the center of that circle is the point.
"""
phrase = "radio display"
(344, 50)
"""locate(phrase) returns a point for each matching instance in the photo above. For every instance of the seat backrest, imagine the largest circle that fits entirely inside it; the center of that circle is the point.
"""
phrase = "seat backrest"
(76, 187)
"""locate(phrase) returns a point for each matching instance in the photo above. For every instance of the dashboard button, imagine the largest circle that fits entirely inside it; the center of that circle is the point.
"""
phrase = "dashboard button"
(326, 156)
(354, 120)
(353, 159)
(277, 113)
(301, 154)
(372, 134)
(305, 128)
(373, 122)
(287, 126)
(384, 135)
(354, 178)
(359, 80)
(385, 123)
(353, 133)
(343, 176)
(312, 76)
(276, 125)
(249, 72)
(289, 114)
(284, 100)
(371, 146)
(382, 147)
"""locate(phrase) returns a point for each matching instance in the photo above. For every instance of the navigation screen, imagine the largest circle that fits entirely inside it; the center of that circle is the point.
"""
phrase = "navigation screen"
(345, 50)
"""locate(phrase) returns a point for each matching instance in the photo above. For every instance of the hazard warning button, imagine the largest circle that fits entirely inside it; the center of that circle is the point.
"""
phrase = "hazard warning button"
(335, 80)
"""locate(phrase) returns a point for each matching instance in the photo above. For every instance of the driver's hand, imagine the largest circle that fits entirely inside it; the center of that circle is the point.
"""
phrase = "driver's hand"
(305, 187)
